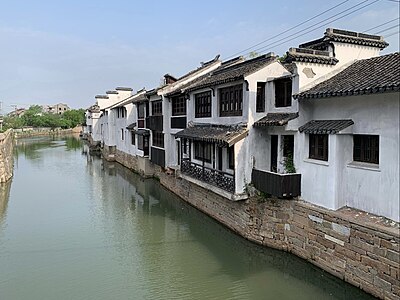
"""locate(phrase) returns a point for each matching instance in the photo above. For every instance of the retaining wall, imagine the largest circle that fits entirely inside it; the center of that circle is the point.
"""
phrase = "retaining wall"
(6, 155)
(357, 250)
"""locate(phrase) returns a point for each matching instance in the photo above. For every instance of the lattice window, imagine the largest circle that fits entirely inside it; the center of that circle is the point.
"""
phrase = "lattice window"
(231, 101)
(203, 105)
(179, 106)
(318, 146)
(283, 92)
(366, 148)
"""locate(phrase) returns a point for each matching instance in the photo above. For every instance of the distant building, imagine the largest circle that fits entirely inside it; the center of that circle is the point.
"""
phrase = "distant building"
(58, 109)
(19, 112)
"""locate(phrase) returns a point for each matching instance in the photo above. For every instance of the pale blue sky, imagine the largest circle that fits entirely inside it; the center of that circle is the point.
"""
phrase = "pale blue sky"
(69, 51)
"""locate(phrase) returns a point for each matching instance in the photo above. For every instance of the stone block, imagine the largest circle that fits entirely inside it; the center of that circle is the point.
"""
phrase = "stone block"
(377, 265)
(382, 284)
(361, 244)
(393, 256)
(326, 243)
(390, 244)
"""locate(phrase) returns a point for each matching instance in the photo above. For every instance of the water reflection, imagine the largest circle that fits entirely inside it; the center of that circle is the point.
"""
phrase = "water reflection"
(4, 196)
(31, 147)
(81, 228)
(236, 257)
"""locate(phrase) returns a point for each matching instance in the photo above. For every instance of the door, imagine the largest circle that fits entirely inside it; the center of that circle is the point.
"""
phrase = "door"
(178, 146)
(274, 153)
(220, 158)
(146, 145)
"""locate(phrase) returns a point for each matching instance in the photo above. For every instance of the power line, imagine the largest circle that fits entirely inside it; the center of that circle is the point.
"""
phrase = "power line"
(383, 24)
(291, 28)
(395, 26)
(284, 40)
(311, 26)
(391, 34)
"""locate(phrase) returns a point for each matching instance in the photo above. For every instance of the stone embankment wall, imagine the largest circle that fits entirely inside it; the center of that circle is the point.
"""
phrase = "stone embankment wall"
(363, 254)
(6, 155)
(46, 132)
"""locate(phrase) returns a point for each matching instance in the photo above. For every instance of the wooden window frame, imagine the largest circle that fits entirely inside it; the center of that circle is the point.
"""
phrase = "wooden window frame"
(366, 148)
(141, 110)
(319, 146)
(260, 97)
(203, 105)
(231, 157)
(231, 101)
(179, 106)
(156, 108)
(283, 92)
(198, 151)
(158, 139)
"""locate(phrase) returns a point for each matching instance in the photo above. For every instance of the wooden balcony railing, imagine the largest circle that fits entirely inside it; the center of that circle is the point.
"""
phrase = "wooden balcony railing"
(211, 176)
(279, 185)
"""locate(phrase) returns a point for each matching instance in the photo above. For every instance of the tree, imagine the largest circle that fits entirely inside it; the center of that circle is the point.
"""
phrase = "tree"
(74, 117)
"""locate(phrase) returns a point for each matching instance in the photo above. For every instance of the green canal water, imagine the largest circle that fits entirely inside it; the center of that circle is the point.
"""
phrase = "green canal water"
(75, 227)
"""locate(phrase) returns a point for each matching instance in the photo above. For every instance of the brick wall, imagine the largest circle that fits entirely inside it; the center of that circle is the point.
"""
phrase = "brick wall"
(363, 254)
(6, 155)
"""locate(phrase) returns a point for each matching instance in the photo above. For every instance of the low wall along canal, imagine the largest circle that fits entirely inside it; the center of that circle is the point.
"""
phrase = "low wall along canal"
(6, 155)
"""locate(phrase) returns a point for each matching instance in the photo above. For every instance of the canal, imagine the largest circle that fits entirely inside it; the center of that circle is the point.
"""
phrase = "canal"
(75, 227)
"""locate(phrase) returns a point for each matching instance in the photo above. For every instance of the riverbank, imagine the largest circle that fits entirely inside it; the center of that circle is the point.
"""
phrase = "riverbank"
(358, 248)
(6, 155)
(46, 132)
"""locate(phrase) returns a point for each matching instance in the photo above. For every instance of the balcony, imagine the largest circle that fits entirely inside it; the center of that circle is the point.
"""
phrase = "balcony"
(279, 185)
(211, 176)
(178, 122)
(154, 123)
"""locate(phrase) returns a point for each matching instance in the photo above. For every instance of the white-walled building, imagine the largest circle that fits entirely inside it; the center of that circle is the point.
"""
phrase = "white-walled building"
(216, 146)
(348, 145)
(230, 124)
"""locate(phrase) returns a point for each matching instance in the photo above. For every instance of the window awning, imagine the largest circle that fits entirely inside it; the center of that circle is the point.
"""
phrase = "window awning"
(275, 119)
(325, 126)
(143, 132)
(131, 126)
(220, 134)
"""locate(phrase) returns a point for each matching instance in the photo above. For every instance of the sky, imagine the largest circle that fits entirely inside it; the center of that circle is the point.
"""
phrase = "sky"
(69, 51)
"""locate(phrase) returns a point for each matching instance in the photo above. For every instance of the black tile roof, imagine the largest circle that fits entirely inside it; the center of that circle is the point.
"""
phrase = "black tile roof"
(275, 119)
(310, 56)
(325, 126)
(367, 76)
(101, 97)
(141, 98)
(350, 37)
(128, 89)
(111, 92)
(230, 73)
(185, 86)
(131, 126)
(220, 134)
(143, 132)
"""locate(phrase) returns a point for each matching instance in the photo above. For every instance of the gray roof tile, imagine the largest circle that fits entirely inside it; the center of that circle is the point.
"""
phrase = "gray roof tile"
(221, 134)
(275, 119)
(325, 126)
(349, 37)
(375, 75)
(230, 73)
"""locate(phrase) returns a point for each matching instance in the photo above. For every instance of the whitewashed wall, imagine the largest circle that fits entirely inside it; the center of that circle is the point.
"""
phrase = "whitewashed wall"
(341, 182)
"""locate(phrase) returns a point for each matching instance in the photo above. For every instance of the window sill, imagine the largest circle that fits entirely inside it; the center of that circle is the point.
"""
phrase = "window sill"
(317, 162)
(364, 166)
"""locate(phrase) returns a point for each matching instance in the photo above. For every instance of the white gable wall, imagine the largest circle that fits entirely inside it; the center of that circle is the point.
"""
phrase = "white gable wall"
(340, 181)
